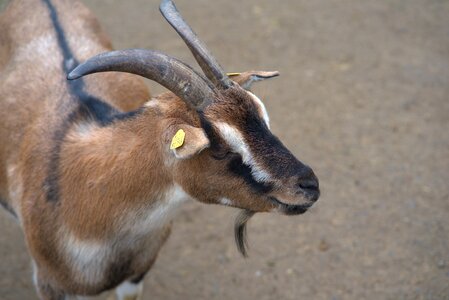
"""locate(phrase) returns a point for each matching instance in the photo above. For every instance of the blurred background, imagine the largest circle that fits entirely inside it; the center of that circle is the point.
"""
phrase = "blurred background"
(363, 98)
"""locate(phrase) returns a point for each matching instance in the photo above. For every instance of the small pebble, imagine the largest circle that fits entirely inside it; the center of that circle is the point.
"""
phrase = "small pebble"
(324, 246)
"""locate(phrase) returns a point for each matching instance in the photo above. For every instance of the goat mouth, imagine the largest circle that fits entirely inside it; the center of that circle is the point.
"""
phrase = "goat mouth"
(290, 209)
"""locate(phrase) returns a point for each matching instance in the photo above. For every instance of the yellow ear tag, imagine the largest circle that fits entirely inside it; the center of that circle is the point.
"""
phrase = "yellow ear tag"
(233, 74)
(178, 139)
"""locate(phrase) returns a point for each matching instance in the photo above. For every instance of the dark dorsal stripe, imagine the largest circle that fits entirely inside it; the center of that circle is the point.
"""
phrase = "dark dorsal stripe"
(88, 107)
(98, 110)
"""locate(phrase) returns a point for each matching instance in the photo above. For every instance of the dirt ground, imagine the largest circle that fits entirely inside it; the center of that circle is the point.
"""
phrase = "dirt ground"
(363, 98)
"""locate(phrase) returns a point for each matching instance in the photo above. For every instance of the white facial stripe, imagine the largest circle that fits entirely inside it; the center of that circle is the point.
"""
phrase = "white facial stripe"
(235, 140)
(262, 108)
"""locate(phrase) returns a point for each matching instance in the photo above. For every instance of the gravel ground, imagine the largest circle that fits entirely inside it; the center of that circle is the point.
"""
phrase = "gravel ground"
(363, 98)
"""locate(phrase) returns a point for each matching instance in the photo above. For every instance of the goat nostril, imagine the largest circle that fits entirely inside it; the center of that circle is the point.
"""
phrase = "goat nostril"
(308, 184)
(310, 188)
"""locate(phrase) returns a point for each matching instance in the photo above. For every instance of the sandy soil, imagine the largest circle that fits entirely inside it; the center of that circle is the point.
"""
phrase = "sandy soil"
(364, 99)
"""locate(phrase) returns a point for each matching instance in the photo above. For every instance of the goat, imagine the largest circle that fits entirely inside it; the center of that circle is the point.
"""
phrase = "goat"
(94, 172)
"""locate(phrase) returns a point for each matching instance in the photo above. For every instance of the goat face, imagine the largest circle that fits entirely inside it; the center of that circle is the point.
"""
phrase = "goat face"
(233, 159)
(243, 163)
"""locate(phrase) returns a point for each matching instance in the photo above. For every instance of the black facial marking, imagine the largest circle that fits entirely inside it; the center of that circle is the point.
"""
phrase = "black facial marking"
(215, 140)
(276, 157)
(242, 170)
(88, 107)
(235, 165)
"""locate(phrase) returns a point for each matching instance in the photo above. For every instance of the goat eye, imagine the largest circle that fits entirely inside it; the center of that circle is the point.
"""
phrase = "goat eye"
(222, 154)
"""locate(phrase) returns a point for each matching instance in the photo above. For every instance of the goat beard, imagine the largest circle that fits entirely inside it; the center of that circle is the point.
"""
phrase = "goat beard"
(240, 230)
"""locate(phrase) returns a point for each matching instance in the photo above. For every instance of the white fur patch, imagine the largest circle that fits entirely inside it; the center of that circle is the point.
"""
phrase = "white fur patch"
(47, 46)
(84, 128)
(158, 215)
(128, 290)
(225, 201)
(152, 103)
(83, 46)
(235, 140)
(90, 259)
(262, 108)
(39, 47)
(87, 258)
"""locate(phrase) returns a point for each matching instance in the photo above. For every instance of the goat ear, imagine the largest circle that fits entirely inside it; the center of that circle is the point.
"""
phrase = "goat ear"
(186, 141)
(246, 79)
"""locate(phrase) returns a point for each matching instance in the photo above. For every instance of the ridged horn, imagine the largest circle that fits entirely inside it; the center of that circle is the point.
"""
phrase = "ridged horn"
(207, 62)
(171, 73)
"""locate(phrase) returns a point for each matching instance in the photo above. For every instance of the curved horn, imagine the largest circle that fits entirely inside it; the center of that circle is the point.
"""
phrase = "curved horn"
(173, 74)
(207, 62)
